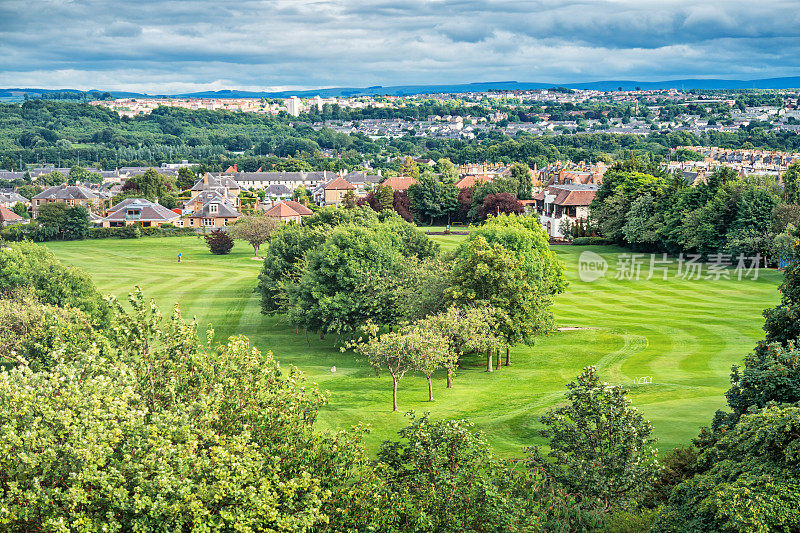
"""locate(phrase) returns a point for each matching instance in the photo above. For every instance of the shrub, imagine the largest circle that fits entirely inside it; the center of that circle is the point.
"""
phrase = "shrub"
(131, 232)
(219, 242)
(629, 522)
(591, 241)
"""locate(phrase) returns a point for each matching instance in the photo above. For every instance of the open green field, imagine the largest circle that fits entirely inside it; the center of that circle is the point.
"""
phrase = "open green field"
(684, 334)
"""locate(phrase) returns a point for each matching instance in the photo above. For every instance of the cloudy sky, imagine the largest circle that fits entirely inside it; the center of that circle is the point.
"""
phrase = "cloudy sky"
(162, 46)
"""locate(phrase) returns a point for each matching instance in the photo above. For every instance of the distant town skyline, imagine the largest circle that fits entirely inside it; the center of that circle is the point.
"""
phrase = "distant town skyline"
(272, 45)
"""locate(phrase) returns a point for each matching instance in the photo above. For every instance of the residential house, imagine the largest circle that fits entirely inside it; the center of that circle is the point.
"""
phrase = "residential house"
(225, 186)
(8, 217)
(473, 180)
(557, 203)
(363, 182)
(335, 191)
(213, 210)
(287, 211)
(70, 195)
(9, 199)
(399, 183)
(138, 210)
(278, 191)
(292, 180)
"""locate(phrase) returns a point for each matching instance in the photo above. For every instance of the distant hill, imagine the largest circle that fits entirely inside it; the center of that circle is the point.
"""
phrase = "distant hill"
(399, 90)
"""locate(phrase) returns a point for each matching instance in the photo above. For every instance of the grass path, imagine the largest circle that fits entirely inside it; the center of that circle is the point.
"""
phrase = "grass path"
(685, 334)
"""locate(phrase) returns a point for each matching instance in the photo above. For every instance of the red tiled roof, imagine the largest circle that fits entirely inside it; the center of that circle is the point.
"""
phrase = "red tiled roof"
(472, 180)
(566, 197)
(300, 208)
(281, 210)
(7, 215)
(399, 183)
(340, 184)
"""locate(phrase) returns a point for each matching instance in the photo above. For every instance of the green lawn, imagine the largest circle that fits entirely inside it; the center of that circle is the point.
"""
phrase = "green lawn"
(685, 334)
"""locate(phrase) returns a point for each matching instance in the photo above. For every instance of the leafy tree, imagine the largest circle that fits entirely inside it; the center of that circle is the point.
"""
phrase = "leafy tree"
(470, 330)
(76, 223)
(428, 352)
(447, 171)
(430, 199)
(150, 185)
(791, 183)
(349, 200)
(638, 229)
(34, 269)
(747, 481)
(349, 279)
(409, 168)
(37, 335)
(20, 209)
(392, 352)
(254, 229)
(384, 196)
(501, 203)
(521, 175)
(219, 242)
(526, 238)
(600, 446)
(257, 462)
(282, 258)
(489, 274)
(52, 215)
(422, 287)
(609, 216)
(186, 178)
(448, 480)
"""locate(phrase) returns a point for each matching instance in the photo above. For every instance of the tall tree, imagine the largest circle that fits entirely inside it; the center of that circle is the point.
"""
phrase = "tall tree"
(409, 168)
(521, 175)
(600, 446)
(186, 178)
(447, 171)
(254, 229)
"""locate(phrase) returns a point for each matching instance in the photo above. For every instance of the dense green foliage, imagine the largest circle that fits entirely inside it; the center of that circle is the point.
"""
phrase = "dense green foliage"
(599, 445)
(35, 270)
(723, 214)
(749, 480)
(70, 134)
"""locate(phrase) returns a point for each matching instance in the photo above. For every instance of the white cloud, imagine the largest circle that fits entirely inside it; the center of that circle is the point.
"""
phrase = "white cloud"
(181, 46)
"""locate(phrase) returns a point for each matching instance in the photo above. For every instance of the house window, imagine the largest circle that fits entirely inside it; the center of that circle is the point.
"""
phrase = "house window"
(70, 202)
(208, 221)
(213, 208)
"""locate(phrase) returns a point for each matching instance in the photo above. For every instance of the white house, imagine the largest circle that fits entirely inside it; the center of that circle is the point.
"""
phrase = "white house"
(556, 203)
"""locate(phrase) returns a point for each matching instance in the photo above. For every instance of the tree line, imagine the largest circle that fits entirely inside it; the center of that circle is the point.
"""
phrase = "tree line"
(723, 213)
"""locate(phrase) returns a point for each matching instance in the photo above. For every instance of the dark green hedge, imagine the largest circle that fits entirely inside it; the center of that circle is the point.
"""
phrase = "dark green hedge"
(588, 241)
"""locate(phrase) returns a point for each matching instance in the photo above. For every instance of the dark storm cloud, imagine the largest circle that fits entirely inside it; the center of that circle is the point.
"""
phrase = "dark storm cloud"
(159, 46)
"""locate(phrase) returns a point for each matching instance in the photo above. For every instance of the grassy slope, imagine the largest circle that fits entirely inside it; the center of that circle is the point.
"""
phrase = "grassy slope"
(685, 334)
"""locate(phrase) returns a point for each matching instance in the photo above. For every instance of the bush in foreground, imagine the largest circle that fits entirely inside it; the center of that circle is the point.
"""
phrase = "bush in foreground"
(219, 242)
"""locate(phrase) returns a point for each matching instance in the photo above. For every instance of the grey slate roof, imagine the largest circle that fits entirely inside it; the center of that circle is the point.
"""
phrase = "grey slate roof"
(210, 182)
(360, 177)
(149, 211)
(224, 210)
(66, 192)
(278, 190)
(12, 196)
(317, 175)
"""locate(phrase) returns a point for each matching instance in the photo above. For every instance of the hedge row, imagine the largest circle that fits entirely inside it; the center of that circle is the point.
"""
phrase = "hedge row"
(19, 232)
(587, 241)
